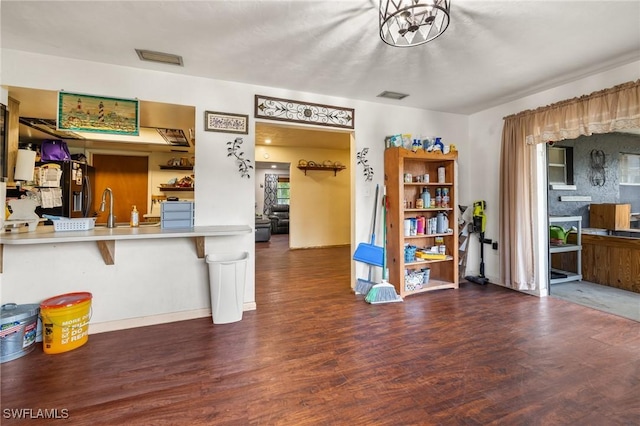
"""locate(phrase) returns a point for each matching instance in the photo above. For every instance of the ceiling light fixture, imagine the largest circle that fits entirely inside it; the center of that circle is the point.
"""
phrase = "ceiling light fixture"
(163, 58)
(406, 23)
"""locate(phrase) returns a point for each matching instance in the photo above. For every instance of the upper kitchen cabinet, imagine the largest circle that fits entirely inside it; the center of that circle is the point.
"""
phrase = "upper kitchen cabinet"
(163, 127)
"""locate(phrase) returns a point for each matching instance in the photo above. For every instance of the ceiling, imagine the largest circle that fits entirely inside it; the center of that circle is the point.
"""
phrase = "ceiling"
(492, 52)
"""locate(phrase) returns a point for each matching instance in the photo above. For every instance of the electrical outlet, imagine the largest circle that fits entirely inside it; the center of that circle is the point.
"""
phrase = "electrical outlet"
(494, 245)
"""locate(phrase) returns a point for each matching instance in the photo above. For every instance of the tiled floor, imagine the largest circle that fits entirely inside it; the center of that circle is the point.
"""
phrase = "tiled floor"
(603, 298)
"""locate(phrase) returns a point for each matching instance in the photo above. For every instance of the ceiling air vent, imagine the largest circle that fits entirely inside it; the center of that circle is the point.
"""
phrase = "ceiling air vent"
(392, 95)
(163, 58)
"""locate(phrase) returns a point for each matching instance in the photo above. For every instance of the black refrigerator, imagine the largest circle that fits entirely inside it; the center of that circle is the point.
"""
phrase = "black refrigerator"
(77, 187)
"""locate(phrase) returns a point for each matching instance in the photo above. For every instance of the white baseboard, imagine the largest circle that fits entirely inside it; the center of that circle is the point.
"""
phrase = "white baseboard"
(124, 324)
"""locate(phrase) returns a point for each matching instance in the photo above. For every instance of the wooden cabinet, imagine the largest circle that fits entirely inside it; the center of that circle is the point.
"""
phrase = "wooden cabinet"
(610, 216)
(399, 163)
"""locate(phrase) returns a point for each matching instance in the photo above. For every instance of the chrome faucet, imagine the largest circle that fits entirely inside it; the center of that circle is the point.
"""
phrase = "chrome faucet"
(111, 219)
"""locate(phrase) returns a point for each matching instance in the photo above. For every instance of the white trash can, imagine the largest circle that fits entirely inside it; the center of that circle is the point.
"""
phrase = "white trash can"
(226, 280)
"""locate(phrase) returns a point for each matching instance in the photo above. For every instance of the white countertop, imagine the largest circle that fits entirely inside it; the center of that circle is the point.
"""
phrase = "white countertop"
(46, 234)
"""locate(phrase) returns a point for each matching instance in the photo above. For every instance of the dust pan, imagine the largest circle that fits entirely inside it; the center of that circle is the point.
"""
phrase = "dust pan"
(369, 253)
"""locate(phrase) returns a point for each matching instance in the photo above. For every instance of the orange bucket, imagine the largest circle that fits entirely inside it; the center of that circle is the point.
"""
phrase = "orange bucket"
(65, 322)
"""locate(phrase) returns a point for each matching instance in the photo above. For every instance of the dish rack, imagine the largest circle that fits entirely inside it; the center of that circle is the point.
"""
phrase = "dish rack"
(80, 224)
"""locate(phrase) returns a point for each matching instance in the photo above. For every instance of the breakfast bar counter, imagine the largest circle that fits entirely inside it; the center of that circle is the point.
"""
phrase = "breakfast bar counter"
(105, 238)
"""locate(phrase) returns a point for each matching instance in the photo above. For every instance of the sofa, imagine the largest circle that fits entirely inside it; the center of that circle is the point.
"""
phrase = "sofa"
(279, 216)
(263, 230)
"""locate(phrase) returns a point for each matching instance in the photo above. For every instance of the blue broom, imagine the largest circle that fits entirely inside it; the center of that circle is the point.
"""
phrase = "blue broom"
(383, 292)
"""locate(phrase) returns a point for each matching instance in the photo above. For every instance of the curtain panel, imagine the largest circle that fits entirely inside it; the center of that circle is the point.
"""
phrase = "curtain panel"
(270, 192)
(605, 111)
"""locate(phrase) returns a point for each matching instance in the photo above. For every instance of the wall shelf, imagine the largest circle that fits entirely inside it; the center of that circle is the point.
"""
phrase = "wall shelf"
(165, 167)
(175, 188)
(335, 169)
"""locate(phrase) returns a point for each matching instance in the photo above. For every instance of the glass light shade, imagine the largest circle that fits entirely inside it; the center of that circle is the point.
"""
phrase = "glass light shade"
(406, 23)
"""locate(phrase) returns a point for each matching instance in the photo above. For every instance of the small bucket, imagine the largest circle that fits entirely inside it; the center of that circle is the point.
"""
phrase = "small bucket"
(18, 331)
(65, 321)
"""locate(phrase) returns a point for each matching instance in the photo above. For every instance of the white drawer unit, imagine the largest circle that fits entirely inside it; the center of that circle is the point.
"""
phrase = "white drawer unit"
(177, 214)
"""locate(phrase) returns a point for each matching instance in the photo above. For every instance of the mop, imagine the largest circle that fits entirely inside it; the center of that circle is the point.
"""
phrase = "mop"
(383, 292)
(363, 286)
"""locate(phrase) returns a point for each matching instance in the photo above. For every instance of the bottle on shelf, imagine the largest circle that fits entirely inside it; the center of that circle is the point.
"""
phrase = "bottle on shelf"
(426, 198)
(135, 217)
(445, 197)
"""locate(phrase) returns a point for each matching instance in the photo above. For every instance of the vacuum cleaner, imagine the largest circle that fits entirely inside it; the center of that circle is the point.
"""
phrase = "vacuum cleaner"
(478, 226)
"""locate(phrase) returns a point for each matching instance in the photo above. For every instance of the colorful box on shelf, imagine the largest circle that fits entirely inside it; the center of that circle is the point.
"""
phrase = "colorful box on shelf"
(431, 256)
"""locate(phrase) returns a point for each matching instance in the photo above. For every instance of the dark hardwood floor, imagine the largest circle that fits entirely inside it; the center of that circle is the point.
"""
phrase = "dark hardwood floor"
(313, 353)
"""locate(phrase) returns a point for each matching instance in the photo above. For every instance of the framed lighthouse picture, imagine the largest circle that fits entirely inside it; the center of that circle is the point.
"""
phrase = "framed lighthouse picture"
(98, 114)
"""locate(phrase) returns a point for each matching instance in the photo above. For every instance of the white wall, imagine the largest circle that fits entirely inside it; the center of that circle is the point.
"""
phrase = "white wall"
(143, 272)
(480, 164)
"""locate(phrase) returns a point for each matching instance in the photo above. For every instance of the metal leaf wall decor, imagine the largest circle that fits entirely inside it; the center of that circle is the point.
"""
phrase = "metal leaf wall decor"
(244, 165)
(368, 170)
(597, 174)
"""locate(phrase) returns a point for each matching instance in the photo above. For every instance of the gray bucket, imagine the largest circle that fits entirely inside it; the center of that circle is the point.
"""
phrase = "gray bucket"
(18, 330)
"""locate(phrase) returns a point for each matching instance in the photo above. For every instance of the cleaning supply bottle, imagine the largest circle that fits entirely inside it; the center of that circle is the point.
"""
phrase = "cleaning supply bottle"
(135, 217)
(426, 198)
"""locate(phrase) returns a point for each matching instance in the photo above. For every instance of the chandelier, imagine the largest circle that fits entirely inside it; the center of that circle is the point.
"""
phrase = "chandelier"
(405, 23)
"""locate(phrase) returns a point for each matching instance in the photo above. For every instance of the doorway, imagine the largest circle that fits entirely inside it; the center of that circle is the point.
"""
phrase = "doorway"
(320, 202)
(127, 176)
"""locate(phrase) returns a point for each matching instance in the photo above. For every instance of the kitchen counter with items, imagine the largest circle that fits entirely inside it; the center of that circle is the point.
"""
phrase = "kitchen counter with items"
(106, 237)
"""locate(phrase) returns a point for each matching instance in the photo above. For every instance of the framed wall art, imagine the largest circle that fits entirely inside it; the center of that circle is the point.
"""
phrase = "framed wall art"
(303, 112)
(98, 114)
(226, 122)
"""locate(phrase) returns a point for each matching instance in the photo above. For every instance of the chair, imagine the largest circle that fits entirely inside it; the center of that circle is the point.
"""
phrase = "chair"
(279, 217)
(263, 229)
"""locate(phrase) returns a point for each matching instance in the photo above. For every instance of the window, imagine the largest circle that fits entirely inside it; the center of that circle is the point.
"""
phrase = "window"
(282, 191)
(630, 169)
(560, 165)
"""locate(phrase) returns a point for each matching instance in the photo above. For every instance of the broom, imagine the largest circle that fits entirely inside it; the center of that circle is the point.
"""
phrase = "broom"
(363, 286)
(383, 292)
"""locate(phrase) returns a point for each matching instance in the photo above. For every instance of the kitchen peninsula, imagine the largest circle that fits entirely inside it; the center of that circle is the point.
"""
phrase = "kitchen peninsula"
(106, 237)
(157, 275)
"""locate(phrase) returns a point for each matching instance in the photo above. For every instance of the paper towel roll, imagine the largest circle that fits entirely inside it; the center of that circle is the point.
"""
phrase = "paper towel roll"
(25, 163)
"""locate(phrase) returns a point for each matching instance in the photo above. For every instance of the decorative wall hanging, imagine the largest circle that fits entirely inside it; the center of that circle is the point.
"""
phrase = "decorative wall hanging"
(303, 112)
(98, 114)
(368, 170)
(244, 165)
(226, 122)
(597, 174)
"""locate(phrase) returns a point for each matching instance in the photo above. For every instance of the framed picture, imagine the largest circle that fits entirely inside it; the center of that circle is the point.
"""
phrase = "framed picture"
(226, 122)
(98, 114)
